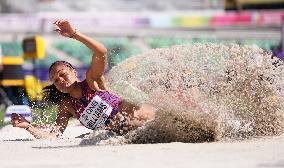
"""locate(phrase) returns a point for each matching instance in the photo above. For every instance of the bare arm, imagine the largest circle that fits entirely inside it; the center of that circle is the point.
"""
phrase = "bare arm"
(94, 74)
(38, 131)
(99, 59)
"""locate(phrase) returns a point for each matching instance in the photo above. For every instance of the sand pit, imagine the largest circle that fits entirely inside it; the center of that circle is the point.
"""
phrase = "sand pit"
(21, 150)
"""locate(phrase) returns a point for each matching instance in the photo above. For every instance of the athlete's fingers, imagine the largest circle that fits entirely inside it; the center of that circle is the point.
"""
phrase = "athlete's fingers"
(60, 22)
(57, 30)
(56, 22)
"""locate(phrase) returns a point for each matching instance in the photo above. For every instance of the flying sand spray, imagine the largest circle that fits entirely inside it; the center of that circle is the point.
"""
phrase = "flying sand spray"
(204, 92)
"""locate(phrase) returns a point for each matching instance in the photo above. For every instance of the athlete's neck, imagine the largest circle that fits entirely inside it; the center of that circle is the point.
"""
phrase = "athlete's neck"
(76, 90)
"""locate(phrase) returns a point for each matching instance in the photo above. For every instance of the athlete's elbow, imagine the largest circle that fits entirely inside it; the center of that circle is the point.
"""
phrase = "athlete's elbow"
(103, 51)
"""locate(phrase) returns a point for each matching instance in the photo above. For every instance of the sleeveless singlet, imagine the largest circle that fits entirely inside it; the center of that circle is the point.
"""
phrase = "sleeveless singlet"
(95, 108)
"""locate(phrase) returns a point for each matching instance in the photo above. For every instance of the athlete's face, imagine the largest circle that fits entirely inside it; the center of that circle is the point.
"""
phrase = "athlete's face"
(63, 77)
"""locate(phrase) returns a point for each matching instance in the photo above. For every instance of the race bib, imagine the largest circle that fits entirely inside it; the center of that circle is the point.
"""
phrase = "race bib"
(96, 113)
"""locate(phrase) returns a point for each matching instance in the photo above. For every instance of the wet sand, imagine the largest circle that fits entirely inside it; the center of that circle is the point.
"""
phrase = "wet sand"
(18, 149)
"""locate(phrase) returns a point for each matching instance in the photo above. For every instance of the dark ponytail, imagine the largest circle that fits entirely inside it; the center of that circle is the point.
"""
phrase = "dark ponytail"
(50, 93)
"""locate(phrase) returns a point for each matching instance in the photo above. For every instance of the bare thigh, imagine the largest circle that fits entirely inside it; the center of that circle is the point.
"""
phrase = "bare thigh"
(131, 116)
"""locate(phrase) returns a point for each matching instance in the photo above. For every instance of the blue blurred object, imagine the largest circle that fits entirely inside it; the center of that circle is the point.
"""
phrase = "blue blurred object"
(278, 52)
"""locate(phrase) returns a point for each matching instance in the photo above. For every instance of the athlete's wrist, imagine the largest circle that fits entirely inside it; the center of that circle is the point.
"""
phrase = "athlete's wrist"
(28, 126)
(74, 33)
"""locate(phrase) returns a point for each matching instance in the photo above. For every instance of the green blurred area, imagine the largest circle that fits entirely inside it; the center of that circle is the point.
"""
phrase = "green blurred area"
(1, 118)
(44, 114)
(74, 49)
(11, 48)
(47, 61)
(41, 115)
(120, 49)
(267, 44)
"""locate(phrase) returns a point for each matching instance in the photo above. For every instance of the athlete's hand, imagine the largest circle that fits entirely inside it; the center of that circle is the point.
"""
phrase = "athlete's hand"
(19, 121)
(64, 28)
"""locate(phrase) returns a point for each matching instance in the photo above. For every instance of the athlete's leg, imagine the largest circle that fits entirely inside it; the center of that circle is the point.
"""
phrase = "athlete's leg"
(131, 116)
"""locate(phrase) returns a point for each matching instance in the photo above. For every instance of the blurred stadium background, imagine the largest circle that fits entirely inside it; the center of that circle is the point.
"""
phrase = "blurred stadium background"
(127, 28)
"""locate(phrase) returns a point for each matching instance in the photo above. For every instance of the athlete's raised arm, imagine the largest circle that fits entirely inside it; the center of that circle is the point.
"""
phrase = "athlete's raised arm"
(99, 58)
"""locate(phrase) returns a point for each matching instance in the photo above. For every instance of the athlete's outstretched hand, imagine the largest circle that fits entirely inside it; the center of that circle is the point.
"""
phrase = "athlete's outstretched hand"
(19, 121)
(64, 28)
